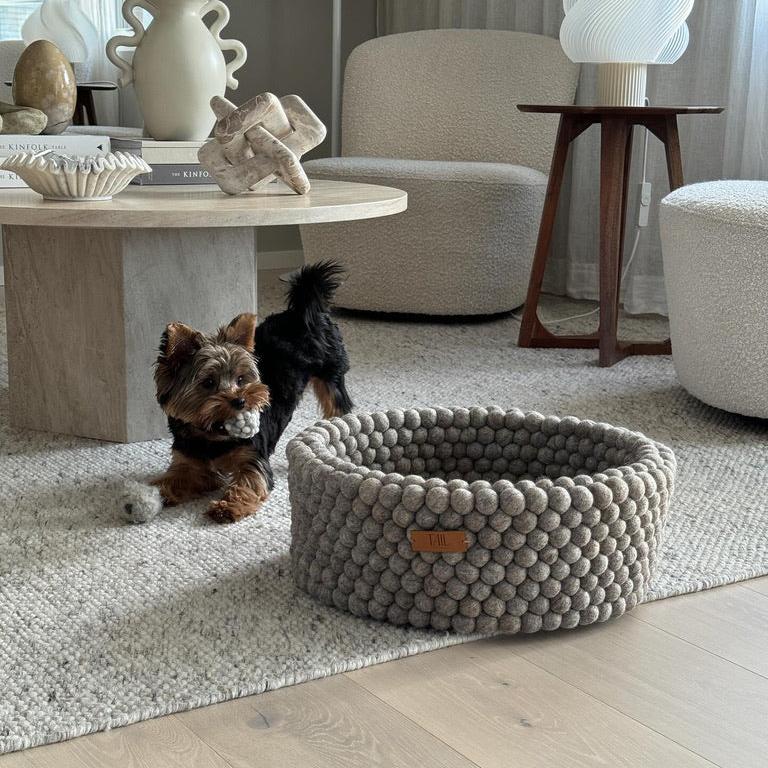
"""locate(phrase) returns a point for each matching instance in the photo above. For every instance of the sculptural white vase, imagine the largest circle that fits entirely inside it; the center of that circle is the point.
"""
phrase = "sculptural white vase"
(178, 65)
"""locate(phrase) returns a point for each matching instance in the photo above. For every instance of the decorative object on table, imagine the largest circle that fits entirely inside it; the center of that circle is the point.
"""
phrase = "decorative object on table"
(259, 141)
(623, 37)
(68, 144)
(575, 547)
(64, 24)
(178, 65)
(714, 240)
(63, 177)
(173, 162)
(44, 79)
(466, 244)
(21, 120)
(616, 124)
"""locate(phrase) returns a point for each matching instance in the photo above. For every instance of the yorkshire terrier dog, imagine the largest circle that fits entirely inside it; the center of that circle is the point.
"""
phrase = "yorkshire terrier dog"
(203, 381)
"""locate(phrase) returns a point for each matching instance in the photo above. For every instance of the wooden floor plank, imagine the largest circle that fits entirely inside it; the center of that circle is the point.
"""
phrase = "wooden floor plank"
(329, 723)
(731, 622)
(16, 760)
(709, 705)
(501, 711)
(758, 585)
(160, 743)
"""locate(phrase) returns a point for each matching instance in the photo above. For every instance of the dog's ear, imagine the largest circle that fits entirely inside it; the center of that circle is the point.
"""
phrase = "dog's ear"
(177, 344)
(179, 341)
(242, 331)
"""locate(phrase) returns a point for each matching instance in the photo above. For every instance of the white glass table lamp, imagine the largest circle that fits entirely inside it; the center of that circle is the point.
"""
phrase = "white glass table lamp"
(66, 26)
(623, 37)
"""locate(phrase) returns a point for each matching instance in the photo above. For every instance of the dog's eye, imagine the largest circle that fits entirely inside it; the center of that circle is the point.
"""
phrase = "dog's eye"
(240, 381)
(208, 383)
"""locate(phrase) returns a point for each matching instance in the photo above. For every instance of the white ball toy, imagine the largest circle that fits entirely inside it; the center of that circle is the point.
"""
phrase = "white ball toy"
(243, 426)
(139, 502)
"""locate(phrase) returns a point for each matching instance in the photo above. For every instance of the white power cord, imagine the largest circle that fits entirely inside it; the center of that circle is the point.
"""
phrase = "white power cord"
(645, 203)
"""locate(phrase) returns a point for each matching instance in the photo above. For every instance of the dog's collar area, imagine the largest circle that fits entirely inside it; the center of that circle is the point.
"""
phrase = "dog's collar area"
(203, 446)
(193, 432)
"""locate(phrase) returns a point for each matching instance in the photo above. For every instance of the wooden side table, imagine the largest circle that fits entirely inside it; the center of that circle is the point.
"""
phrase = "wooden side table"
(85, 109)
(616, 125)
(90, 286)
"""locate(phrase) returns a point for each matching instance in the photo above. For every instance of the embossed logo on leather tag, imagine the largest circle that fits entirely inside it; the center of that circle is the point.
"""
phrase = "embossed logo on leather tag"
(439, 541)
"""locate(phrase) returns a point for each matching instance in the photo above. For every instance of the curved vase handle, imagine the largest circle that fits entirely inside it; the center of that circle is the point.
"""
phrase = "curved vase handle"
(221, 21)
(128, 41)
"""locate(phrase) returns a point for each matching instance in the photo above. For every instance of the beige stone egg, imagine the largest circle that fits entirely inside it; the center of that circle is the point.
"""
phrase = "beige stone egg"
(44, 79)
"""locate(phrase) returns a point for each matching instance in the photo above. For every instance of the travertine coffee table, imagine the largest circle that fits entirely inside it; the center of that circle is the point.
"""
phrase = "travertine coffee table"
(90, 287)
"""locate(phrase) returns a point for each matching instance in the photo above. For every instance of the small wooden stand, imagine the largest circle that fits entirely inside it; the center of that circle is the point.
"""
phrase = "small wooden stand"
(616, 125)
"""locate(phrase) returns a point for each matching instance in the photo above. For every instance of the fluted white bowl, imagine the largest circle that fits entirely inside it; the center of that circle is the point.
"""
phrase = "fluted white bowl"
(61, 177)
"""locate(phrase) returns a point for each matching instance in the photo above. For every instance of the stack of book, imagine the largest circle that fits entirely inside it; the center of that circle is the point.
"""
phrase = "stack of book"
(173, 162)
(67, 144)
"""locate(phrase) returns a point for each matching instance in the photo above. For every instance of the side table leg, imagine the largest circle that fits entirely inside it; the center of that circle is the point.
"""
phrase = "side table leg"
(86, 309)
(614, 146)
(530, 323)
(674, 156)
(89, 107)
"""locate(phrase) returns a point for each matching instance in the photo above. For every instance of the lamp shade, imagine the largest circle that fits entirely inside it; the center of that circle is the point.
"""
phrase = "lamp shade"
(64, 24)
(625, 36)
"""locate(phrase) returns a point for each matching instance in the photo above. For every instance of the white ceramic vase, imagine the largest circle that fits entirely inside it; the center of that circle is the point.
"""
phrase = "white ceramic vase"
(178, 65)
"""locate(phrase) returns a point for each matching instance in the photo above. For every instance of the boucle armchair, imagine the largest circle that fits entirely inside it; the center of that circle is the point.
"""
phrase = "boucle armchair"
(434, 113)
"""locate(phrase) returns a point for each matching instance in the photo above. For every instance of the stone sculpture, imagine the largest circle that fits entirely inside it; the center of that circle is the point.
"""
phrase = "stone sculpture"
(263, 139)
(21, 120)
(43, 79)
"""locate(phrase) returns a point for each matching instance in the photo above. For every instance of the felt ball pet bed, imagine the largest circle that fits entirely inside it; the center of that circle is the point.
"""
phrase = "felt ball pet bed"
(477, 520)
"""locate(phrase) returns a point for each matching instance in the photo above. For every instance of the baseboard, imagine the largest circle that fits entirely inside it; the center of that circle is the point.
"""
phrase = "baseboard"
(280, 259)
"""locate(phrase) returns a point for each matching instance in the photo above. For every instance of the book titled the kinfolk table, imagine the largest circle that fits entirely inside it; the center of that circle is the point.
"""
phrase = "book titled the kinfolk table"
(67, 144)
(174, 174)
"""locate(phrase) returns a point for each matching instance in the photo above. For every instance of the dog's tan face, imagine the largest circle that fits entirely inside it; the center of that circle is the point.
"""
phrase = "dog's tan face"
(205, 380)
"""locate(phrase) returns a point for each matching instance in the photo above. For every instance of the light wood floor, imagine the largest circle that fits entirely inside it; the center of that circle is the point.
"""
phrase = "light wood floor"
(678, 683)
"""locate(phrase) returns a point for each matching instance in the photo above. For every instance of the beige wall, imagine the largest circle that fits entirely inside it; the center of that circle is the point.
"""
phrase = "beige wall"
(289, 51)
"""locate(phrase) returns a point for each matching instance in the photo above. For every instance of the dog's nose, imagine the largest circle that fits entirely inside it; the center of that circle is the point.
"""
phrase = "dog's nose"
(238, 403)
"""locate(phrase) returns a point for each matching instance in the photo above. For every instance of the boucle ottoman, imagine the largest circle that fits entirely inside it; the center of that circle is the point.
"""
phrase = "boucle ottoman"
(715, 249)
(561, 518)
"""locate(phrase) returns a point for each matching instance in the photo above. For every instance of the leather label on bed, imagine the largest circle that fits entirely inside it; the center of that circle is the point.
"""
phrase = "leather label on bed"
(439, 541)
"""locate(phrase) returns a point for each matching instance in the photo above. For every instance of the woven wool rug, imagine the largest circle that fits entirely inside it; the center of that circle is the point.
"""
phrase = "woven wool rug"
(104, 624)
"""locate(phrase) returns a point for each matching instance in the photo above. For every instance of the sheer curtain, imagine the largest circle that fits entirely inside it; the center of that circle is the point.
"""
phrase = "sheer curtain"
(726, 64)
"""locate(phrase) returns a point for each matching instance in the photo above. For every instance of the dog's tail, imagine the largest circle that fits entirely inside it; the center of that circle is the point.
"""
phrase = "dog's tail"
(312, 288)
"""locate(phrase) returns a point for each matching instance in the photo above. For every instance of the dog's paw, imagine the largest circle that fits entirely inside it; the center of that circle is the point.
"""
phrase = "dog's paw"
(223, 512)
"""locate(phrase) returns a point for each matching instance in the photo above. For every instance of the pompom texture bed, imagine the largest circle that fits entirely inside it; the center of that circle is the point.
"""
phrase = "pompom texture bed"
(563, 517)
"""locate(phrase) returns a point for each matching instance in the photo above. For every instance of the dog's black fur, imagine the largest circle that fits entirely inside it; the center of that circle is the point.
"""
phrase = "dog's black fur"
(300, 344)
